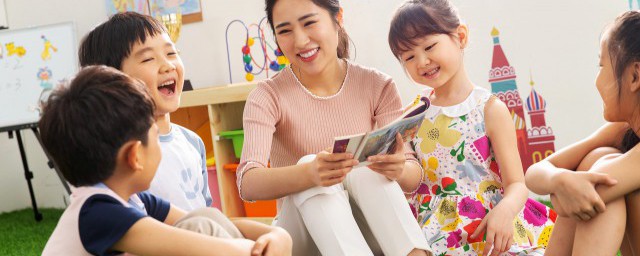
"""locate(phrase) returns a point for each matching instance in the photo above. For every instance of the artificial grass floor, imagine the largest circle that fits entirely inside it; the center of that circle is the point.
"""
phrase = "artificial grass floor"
(21, 235)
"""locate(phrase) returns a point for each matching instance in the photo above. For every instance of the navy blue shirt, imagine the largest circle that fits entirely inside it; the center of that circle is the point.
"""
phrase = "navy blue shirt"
(103, 220)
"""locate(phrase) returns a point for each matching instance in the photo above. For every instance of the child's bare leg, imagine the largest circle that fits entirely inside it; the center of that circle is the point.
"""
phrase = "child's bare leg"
(609, 225)
(562, 238)
(633, 223)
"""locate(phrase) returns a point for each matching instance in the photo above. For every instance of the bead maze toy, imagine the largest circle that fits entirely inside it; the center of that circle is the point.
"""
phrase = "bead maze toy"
(275, 64)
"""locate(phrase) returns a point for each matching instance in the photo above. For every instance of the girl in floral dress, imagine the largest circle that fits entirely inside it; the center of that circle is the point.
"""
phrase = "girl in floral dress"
(465, 203)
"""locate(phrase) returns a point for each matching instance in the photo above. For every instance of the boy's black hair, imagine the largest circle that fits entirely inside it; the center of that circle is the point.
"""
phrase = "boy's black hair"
(111, 42)
(84, 124)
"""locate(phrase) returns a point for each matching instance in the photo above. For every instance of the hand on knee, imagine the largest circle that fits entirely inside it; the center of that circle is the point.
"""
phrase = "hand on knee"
(577, 195)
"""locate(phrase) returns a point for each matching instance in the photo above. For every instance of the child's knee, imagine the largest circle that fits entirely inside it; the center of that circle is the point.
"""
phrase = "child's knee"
(210, 212)
(209, 221)
(206, 212)
(595, 155)
(203, 224)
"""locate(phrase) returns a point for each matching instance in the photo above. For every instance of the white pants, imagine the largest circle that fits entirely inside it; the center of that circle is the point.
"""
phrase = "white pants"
(321, 221)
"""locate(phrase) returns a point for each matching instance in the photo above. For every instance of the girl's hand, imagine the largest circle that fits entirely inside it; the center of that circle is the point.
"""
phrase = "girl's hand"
(392, 165)
(328, 169)
(275, 243)
(499, 228)
(576, 193)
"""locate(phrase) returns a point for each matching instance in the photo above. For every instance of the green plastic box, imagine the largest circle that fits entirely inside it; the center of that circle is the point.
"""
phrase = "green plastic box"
(237, 138)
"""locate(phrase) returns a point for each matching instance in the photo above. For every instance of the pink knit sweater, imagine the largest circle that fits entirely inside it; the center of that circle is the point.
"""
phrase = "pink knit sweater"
(283, 121)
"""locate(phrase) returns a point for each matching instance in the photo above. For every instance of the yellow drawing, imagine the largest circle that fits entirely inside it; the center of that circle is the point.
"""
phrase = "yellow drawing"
(48, 47)
(12, 49)
(123, 5)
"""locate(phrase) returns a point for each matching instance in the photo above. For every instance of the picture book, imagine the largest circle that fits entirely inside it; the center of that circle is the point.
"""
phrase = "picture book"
(383, 140)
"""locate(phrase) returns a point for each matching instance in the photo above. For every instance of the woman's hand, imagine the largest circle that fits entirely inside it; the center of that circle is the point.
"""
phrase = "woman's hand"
(392, 165)
(328, 169)
(499, 229)
(576, 193)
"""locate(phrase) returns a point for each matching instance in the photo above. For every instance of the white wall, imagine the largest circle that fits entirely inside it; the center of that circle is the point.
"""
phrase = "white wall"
(3, 15)
(556, 40)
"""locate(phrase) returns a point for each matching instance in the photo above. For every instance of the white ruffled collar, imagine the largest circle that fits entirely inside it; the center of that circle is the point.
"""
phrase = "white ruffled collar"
(478, 96)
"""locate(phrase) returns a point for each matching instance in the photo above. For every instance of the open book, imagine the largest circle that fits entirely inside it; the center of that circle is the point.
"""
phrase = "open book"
(383, 140)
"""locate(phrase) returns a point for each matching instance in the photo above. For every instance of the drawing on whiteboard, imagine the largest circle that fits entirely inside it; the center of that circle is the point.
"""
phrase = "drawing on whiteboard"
(12, 49)
(44, 74)
(48, 47)
(13, 64)
(34, 60)
(15, 86)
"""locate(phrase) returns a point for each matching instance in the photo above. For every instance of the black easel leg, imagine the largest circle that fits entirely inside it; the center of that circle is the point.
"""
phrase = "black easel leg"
(28, 175)
(51, 163)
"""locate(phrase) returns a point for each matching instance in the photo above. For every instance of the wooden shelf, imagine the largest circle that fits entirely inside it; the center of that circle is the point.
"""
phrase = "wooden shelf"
(222, 107)
(217, 95)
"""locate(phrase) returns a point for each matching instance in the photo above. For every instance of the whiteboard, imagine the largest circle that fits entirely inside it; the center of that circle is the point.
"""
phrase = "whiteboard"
(32, 62)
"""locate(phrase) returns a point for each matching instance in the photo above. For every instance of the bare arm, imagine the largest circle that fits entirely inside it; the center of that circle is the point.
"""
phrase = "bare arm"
(502, 135)
(624, 169)
(252, 229)
(411, 177)
(326, 169)
(270, 240)
(273, 183)
(151, 237)
(540, 176)
(498, 223)
(174, 215)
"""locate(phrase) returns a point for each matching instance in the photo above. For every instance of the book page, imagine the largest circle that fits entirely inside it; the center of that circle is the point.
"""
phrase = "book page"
(383, 141)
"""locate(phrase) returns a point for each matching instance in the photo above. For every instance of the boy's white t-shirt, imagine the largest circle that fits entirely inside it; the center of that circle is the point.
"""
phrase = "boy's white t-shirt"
(182, 176)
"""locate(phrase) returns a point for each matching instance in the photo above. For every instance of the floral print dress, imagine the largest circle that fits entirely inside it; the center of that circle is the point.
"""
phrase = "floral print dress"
(462, 183)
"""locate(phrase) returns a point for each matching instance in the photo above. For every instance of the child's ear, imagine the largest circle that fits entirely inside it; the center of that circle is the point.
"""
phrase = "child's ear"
(463, 35)
(635, 77)
(131, 154)
(339, 16)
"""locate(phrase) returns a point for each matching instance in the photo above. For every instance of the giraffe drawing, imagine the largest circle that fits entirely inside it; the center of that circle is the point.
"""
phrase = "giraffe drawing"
(48, 47)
